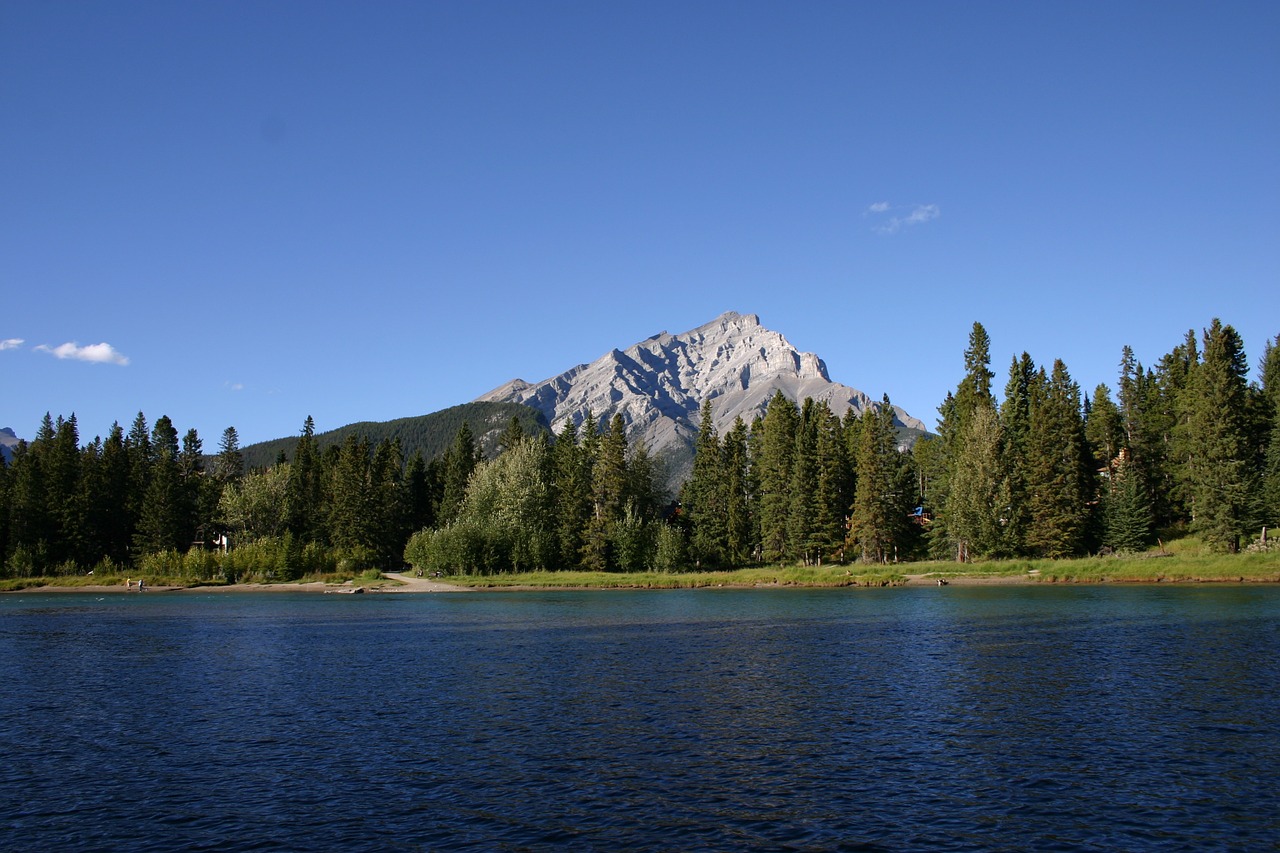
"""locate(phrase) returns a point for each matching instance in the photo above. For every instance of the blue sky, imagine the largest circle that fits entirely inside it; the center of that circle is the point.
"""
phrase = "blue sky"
(242, 214)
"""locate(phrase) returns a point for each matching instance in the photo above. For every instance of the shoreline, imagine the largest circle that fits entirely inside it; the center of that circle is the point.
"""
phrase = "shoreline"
(404, 584)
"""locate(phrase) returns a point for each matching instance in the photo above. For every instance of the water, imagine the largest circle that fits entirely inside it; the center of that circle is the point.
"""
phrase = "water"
(960, 718)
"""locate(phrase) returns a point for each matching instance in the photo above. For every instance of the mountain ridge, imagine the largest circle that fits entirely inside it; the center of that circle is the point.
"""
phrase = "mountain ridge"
(659, 384)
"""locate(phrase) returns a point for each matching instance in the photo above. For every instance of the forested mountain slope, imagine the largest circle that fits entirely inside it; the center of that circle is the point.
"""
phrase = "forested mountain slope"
(431, 434)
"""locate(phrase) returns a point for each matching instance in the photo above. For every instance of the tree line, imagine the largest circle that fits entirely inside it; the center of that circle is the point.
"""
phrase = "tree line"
(1043, 471)
(145, 500)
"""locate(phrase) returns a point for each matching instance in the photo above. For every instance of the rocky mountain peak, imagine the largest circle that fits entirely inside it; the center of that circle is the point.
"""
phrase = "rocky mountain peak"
(658, 385)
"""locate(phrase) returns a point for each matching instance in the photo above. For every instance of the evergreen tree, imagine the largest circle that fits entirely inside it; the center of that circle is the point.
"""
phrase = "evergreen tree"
(64, 494)
(1219, 461)
(1267, 505)
(351, 503)
(417, 498)
(459, 462)
(608, 483)
(304, 502)
(1057, 468)
(833, 492)
(162, 522)
(1015, 429)
(703, 496)
(802, 512)
(572, 495)
(1126, 510)
(980, 501)
(777, 448)
(735, 466)
(973, 392)
(390, 517)
(878, 520)
(229, 465)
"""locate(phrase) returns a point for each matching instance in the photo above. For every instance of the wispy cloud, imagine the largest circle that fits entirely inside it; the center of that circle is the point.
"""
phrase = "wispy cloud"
(103, 353)
(903, 216)
(233, 386)
(11, 343)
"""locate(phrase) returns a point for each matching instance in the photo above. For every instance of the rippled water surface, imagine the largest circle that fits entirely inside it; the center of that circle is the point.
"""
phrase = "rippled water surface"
(984, 718)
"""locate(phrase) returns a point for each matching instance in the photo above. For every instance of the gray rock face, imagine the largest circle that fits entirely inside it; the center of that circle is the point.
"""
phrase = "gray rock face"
(8, 441)
(658, 385)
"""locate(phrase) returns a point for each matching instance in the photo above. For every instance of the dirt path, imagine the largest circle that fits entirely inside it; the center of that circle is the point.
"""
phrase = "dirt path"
(415, 584)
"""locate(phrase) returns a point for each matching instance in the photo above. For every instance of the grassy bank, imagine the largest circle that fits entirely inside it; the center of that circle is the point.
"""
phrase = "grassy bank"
(766, 576)
(1182, 563)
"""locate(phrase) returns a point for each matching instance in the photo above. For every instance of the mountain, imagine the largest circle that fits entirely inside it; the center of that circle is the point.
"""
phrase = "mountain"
(8, 441)
(432, 434)
(658, 385)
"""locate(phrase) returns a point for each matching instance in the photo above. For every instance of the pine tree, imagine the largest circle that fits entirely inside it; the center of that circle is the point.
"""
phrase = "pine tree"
(973, 392)
(878, 519)
(164, 516)
(979, 503)
(1126, 510)
(1057, 468)
(702, 496)
(459, 462)
(833, 492)
(1267, 504)
(1015, 428)
(802, 537)
(735, 465)
(572, 495)
(351, 503)
(608, 482)
(777, 448)
(304, 496)
(229, 465)
(1218, 464)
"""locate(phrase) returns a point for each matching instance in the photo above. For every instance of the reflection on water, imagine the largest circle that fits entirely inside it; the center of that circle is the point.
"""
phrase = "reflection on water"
(920, 718)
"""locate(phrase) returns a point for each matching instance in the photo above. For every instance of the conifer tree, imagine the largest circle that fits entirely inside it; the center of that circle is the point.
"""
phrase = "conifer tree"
(1218, 461)
(777, 444)
(304, 496)
(878, 518)
(1126, 510)
(229, 465)
(703, 497)
(608, 482)
(351, 503)
(833, 491)
(979, 503)
(1015, 429)
(973, 392)
(1267, 504)
(162, 523)
(735, 465)
(572, 495)
(459, 462)
(1057, 468)
(802, 529)
(417, 497)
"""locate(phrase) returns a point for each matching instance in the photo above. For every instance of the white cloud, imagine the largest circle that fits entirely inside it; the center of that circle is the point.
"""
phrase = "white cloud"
(102, 353)
(916, 215)
(921, 213)
(234, 386)
(11, 343)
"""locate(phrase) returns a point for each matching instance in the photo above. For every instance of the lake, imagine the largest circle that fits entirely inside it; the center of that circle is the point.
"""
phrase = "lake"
(957, 718)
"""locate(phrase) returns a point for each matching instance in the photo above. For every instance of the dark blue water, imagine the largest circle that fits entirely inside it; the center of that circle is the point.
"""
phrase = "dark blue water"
(979, 718)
